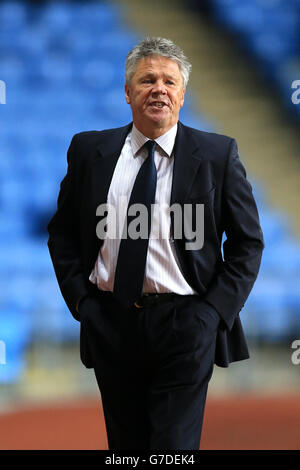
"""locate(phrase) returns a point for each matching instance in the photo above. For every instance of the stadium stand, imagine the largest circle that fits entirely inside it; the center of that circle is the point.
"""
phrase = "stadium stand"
(268, 31)
(60, 80)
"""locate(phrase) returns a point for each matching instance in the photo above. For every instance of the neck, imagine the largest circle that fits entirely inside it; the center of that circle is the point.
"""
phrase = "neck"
(152, 132)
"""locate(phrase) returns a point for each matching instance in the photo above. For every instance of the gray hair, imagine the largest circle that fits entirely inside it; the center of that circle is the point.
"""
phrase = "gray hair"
(157, 46)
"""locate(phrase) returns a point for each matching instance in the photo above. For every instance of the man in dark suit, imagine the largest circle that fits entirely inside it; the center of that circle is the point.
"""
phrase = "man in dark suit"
(156, 312)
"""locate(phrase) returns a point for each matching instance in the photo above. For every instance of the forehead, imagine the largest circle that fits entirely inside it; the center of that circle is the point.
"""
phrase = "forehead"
(158, 64)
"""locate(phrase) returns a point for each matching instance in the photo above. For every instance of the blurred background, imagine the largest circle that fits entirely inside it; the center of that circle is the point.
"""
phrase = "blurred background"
(62, 72)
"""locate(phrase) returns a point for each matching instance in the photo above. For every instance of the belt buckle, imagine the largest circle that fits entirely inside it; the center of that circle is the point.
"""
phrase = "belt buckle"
(137, 305)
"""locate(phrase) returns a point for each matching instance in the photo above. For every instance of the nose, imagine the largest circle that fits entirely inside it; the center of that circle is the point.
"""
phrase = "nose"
(159, 88)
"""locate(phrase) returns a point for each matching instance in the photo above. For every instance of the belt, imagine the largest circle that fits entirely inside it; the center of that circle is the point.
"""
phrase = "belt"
(147, 300)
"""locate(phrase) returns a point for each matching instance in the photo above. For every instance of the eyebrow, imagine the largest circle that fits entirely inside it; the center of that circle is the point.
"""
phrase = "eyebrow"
(153, 75)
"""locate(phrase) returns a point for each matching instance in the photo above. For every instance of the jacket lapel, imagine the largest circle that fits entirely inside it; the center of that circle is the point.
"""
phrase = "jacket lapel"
(104, 164)
(187, 160)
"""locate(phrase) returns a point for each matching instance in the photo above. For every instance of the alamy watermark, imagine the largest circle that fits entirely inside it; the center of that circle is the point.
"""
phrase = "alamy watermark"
(2, 92)
(295, 357)
(188, 222)
(296, 94)
(2, 352)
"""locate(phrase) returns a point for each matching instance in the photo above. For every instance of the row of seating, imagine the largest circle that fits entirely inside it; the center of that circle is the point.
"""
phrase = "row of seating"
(36, 125)
(269, 32)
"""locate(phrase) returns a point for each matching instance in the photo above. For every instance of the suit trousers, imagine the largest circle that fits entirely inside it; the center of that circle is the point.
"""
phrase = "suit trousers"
(152, 365)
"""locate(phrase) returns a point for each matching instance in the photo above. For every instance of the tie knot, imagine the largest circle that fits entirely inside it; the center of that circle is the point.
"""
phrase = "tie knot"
(150, 145)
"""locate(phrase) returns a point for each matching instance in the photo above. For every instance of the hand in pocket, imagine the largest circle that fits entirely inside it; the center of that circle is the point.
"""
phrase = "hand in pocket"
(209, 316)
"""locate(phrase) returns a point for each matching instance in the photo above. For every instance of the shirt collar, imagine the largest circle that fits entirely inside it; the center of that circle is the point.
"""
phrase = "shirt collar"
(165, 141)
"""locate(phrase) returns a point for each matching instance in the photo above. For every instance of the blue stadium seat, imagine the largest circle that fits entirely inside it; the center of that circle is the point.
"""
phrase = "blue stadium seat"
(267, 314)
(13, 15)
(52, 320)
(94, 15)
(275, 226)
(13, 226)
(57, 17)
(95, 73)
(57, 68)
(31, 42)
(12, 70)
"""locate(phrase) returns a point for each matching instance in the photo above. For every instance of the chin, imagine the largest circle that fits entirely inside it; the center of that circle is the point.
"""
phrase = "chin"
(159, 120)
(158, 115)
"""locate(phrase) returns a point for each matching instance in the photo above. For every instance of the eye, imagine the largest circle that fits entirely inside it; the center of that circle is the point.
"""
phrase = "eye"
(170, 82)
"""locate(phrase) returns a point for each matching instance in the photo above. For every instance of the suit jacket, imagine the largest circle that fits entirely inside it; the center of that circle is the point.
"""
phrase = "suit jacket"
(207, 170)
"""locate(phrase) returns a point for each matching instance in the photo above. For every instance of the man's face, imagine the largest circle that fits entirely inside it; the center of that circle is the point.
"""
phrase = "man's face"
(155, 94)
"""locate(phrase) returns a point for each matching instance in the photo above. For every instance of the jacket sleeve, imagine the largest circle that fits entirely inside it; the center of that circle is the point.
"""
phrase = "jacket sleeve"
(243, 246)
(63, 241)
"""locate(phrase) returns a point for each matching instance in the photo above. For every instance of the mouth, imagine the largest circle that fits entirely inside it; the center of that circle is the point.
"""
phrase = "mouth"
(157, 104)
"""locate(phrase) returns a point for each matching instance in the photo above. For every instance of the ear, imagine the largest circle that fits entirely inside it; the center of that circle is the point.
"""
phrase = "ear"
(182, 98)
(127, 94)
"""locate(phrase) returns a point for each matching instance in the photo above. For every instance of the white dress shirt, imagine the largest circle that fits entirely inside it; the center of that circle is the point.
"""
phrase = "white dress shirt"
(162, 273)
